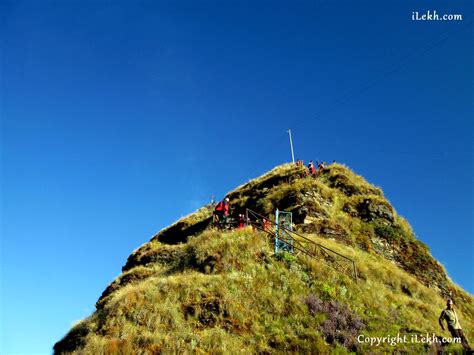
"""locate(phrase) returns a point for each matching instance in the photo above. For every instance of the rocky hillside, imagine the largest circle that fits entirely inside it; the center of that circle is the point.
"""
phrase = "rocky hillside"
(193, 288)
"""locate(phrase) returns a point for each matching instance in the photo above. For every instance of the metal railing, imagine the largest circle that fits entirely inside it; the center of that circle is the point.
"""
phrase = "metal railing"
(303, 244)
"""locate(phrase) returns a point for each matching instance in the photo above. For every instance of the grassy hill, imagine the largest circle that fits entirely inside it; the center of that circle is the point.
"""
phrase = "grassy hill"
(193, 288)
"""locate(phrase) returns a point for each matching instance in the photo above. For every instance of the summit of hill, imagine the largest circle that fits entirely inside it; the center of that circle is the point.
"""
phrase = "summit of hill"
(198, 288)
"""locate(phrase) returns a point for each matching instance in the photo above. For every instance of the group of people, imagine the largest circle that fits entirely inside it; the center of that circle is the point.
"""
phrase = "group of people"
(311, 169)
(222, 209)
(222, 216)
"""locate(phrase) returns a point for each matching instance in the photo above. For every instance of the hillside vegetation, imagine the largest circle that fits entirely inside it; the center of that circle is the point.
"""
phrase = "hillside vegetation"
(193, 288)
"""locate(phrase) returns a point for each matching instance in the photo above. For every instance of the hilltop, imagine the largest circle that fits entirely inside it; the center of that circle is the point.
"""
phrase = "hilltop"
(195, 288)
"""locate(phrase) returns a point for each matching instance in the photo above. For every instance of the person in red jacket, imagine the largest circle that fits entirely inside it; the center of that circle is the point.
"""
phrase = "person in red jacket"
(222, 210)
(218, 211)
(242, 221)
(226, 207)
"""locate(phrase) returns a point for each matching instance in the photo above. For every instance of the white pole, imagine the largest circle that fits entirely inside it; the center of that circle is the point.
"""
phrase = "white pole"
(291, 145)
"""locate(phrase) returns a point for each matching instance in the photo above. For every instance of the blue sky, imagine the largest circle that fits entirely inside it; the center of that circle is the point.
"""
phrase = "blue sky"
(119, 117)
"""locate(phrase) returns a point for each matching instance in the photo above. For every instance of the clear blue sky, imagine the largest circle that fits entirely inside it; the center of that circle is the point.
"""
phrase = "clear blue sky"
(119, 117)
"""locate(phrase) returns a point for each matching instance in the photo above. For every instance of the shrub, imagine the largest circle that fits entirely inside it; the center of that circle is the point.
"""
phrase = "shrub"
(286, 257)
(387, 232)
(340, 325)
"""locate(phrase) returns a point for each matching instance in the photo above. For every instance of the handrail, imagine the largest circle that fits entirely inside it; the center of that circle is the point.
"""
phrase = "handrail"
(298, 244)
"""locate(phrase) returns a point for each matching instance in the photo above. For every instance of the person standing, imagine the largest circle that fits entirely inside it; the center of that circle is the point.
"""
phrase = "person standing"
(311, 169)
(449, 315)
(226, 209)
(218, 212)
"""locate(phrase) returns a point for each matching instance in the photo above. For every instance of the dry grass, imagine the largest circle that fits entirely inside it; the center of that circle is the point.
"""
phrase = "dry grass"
(251, 302)
(228, 293)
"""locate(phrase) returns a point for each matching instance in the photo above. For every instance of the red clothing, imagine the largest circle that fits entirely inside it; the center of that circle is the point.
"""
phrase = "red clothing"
(266, 225)
(226, 208)
(241, 221)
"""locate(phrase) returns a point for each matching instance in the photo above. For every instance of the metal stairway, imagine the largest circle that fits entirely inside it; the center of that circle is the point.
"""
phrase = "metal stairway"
(292, 241)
